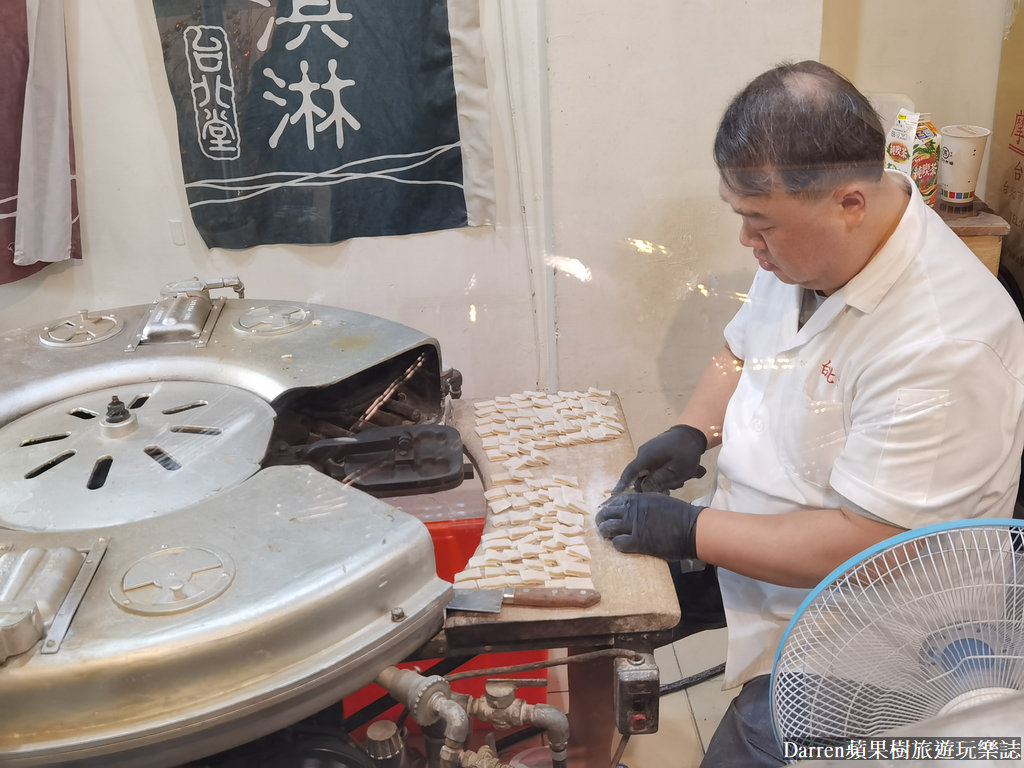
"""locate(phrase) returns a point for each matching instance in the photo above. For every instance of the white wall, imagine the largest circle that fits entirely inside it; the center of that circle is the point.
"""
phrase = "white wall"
(613, 262)
(635, 101)
(943, 54)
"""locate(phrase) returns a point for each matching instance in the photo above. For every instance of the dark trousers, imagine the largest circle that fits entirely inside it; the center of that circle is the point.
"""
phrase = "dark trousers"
(746, 738)
(700, 600)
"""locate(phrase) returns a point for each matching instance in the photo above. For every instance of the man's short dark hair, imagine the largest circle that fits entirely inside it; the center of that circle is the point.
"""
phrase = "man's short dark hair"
(804, 125)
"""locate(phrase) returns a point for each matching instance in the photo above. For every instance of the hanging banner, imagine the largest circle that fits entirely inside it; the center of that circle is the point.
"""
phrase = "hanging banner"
(38, 202)
(316, 121)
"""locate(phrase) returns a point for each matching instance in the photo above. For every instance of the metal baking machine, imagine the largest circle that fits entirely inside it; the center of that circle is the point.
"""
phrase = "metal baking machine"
(193, 547)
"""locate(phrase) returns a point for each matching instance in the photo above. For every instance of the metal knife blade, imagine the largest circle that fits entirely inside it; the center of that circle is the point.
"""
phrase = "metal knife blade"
(491, 600)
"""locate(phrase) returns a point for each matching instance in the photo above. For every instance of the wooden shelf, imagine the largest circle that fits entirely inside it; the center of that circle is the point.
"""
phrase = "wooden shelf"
(981, 229)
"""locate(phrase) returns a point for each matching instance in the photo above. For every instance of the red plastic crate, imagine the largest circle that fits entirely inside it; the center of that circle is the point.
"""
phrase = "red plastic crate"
(455, 541)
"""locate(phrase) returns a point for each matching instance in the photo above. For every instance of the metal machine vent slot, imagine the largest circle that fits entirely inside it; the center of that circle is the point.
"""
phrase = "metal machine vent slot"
(184, 407)
(192, 430)
(45, 439)
(161, 457)
(48, 465)
(138, 402)
(99, 473)
(82, 413)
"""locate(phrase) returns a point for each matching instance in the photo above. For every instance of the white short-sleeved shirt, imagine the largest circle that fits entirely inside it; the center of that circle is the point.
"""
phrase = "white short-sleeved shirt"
(900, 397)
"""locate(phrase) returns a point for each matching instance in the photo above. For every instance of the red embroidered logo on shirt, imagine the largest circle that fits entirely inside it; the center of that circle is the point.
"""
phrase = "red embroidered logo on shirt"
(829, 372)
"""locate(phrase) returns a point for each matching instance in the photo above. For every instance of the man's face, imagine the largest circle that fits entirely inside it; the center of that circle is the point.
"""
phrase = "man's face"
(797, 240)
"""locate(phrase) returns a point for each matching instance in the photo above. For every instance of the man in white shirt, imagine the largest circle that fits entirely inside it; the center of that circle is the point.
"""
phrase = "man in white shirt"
(872, 382)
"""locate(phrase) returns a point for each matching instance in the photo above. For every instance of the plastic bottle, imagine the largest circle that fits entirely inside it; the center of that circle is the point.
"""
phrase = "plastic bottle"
(924, 169)
(912, 146)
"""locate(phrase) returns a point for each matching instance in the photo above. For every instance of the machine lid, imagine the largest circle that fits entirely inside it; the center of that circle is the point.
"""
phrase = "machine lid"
(128, 453)
(210, 626)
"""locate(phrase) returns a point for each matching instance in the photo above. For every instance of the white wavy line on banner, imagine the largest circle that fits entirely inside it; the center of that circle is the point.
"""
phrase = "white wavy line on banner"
(324, 178)
(433, 152)
(353, 177)
(301, 178)
(8, 199)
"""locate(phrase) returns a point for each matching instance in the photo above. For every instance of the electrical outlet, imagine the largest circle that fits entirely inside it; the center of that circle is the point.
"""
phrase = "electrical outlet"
(637, 690)
(177, 231)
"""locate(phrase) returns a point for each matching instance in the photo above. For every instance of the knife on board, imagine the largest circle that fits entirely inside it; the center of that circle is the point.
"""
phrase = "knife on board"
(491, 600)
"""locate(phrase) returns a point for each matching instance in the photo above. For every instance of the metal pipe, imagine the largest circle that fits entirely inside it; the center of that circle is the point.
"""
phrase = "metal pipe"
(456, 732)
(555, 724)
(428, 700)
(419, 694)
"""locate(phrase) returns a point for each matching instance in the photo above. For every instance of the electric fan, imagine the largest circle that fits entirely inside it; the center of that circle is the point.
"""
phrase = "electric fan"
(924, 624)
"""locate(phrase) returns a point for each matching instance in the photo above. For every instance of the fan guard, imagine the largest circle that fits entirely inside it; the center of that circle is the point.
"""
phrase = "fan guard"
(926, 623)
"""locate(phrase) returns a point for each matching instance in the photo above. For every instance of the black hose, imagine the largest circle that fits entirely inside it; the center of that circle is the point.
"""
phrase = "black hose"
(332, 753)
(687, 682)
(507, 742)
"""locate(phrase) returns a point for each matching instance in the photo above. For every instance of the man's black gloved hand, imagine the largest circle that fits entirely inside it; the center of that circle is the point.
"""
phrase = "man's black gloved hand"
(665, 462)
(651, 524)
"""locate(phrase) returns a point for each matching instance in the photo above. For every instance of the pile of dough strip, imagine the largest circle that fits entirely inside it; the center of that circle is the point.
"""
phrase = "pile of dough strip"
(536, 525)
(516, 429)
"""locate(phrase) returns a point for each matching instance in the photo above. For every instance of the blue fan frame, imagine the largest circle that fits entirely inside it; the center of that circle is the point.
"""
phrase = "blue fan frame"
(840, 571)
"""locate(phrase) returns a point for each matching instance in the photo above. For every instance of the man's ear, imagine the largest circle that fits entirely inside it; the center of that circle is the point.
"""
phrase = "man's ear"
(852, 204)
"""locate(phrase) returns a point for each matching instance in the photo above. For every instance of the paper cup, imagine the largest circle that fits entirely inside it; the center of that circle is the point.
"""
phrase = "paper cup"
(963, 147)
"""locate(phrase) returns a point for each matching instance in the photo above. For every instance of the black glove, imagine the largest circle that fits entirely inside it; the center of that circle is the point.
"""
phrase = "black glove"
(651, 524)
(665, 462)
